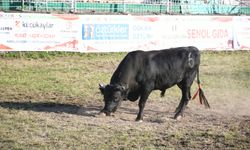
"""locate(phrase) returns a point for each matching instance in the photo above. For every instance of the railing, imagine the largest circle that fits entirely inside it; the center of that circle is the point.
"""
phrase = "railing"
(141, 7)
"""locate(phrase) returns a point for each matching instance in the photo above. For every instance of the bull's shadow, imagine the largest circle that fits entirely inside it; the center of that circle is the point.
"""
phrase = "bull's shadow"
(52, 107)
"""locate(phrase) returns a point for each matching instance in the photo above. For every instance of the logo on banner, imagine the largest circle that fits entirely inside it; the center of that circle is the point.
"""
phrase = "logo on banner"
(17, 24)
(105, 31)
(33, 25)
(5, 28)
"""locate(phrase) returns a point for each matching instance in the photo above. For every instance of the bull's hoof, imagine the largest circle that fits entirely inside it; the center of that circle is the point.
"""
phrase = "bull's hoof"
(139, 121)
(102, 114)
(178, 117)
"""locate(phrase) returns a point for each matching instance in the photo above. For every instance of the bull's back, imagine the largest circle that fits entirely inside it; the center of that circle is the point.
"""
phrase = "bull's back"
(161, 68)
(176, 58)
(167, 67)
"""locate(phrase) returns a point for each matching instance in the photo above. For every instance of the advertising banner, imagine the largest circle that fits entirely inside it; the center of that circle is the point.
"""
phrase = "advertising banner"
(38, 32)
(119, 33)
(241, 33)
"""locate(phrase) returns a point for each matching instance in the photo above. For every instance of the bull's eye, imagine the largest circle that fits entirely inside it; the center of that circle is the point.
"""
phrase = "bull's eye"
(116, 99)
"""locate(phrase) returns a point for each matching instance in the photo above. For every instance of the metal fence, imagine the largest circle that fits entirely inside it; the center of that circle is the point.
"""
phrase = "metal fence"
(192, 7)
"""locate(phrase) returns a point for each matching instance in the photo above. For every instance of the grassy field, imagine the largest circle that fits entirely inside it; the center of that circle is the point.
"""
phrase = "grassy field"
(49, 101)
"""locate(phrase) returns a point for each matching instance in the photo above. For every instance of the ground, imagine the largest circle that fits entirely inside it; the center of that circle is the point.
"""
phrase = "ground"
(53, 102)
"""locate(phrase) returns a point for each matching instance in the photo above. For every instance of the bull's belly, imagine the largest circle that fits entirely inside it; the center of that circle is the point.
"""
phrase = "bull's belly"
(167, 84)
(163, 87)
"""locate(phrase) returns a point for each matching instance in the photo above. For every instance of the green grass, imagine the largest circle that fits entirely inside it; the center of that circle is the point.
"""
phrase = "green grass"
(74, 75)
(45, 92)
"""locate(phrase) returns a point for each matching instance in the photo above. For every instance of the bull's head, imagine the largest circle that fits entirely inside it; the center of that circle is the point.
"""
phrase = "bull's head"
(113, 96)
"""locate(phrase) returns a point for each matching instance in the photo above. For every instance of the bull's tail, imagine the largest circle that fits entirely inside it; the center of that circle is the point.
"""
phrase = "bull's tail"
(202, 98)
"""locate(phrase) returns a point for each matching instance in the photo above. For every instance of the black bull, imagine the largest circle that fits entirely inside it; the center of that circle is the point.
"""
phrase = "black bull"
(139, 73)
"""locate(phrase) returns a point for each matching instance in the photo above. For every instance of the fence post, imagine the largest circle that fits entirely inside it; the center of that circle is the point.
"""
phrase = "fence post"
(168, 9)
(73, 6)
(47, 7)
(124, 6)
(29, 5)
(22, 5)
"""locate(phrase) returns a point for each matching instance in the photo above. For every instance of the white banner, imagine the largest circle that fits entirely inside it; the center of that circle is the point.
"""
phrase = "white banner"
(117, 33)
(39, 32)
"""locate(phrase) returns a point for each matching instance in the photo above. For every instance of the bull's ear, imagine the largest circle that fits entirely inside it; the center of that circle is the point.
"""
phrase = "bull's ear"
(123, 88)
(102, 88)
(124, 93)
(120, 88)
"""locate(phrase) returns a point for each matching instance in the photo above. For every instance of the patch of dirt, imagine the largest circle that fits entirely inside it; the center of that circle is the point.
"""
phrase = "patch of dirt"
(199, 128)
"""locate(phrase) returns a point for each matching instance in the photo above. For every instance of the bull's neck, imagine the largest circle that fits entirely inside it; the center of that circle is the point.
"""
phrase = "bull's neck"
(123, 73)
(119, 77)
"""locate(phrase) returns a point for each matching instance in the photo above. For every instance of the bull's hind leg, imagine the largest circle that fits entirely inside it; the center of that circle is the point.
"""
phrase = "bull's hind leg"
(183, 102)
(180, 104)
(185, 86)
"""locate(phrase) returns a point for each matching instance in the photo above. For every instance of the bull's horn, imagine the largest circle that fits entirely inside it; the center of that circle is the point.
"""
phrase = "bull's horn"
(101, 85)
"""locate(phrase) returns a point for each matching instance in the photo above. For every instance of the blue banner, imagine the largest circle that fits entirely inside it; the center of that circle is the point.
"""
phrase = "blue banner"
(105, 31)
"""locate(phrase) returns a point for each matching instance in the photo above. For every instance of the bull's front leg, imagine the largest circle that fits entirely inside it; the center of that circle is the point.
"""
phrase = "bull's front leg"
(141, 104)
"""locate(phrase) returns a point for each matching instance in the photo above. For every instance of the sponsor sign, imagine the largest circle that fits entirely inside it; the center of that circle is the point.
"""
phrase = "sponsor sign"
(116, 33)
(105, 32)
